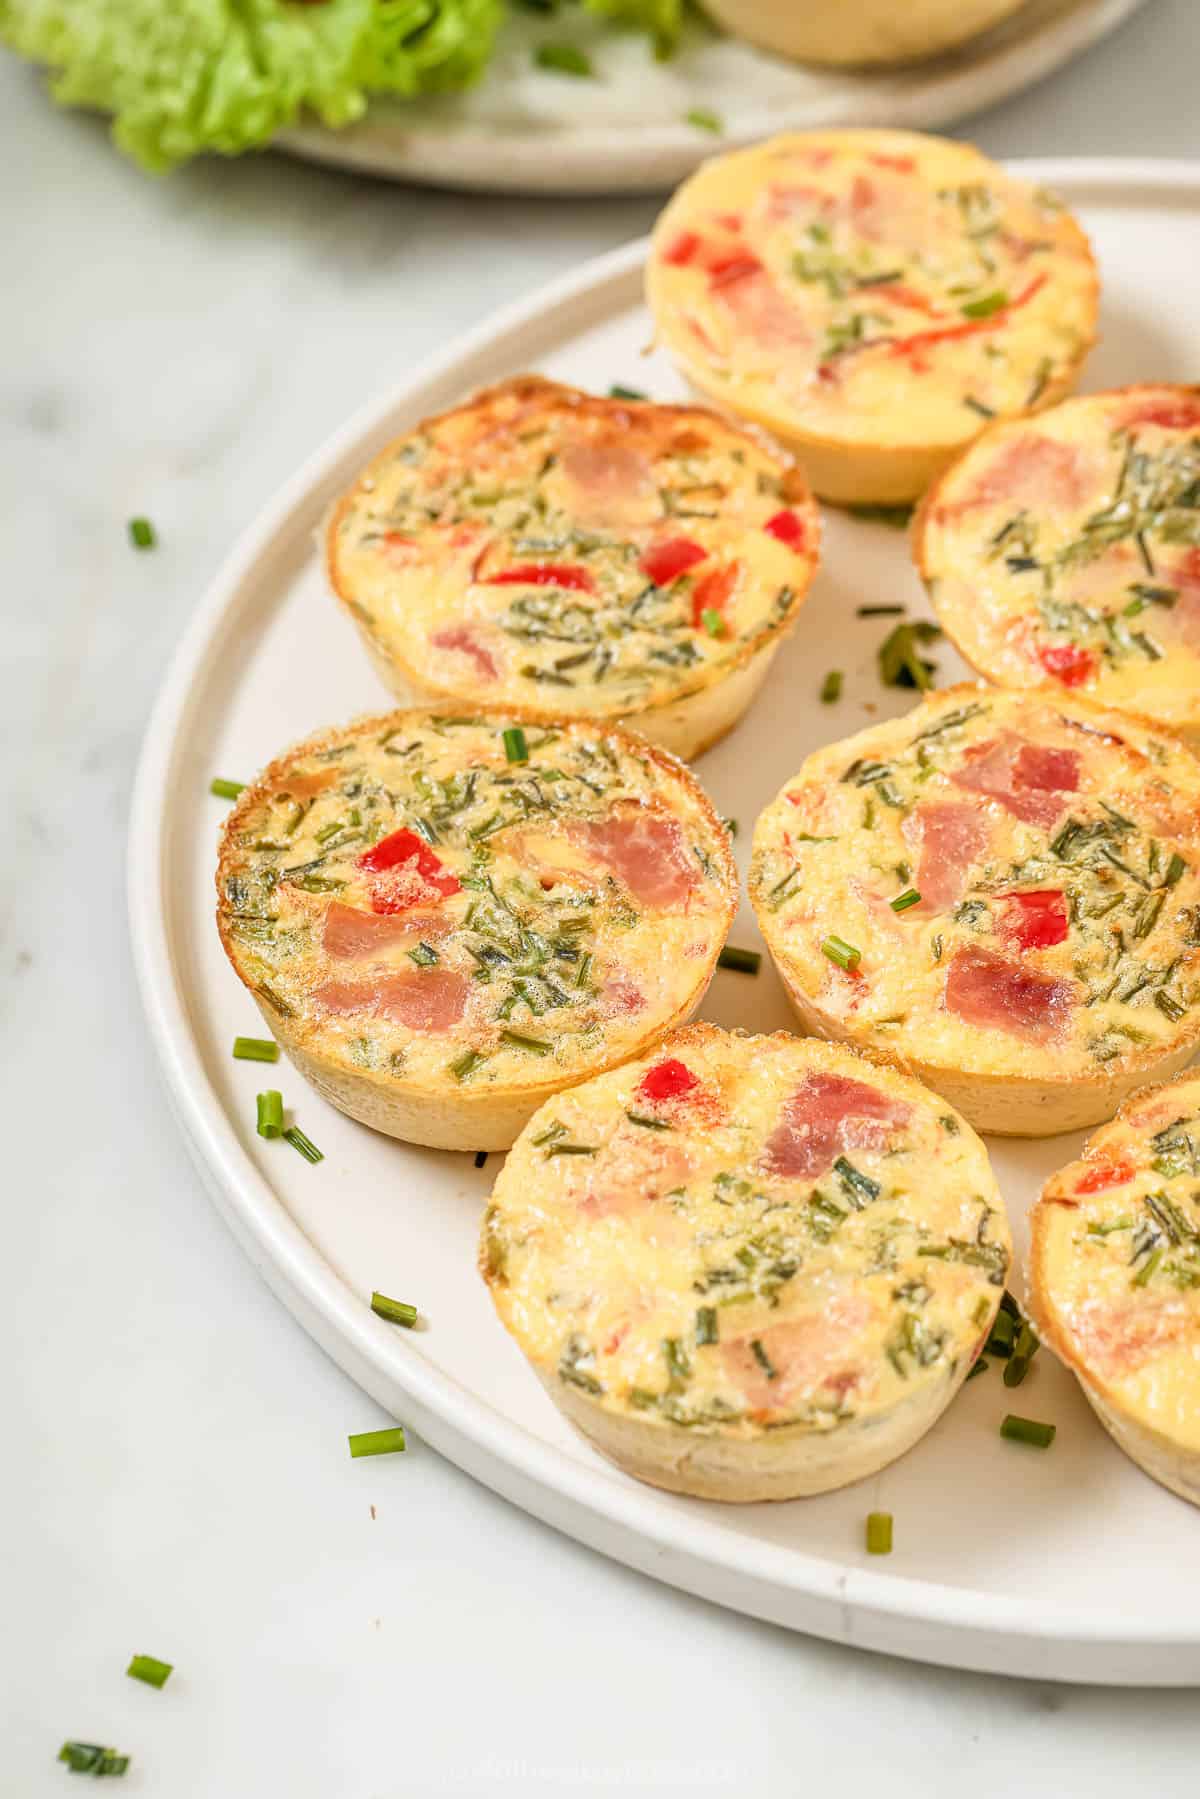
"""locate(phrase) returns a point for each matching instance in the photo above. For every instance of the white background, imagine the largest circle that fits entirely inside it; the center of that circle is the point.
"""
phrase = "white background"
(174, 1476)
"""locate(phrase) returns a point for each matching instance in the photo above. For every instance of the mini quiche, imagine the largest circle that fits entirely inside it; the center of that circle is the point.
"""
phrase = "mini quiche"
(1115, 1279)
(445, 920)
(872, 298)
(612, 559)
(1065, 550)
(748, 1267)
(864, 33)
(1001, 892)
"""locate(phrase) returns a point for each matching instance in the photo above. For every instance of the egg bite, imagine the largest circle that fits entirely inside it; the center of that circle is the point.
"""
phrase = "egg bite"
(999, 891)
(612, 559)
(1064, 551)
(445, 920)
(1115, 1278)
(872, 298)
(869, 33)
(748, 1267)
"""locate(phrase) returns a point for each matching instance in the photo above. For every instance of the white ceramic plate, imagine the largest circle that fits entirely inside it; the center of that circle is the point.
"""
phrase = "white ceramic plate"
(524, 130)
(1066, 1565)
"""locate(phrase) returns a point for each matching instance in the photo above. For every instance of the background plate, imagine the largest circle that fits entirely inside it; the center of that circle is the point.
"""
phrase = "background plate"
(523, 130)
(998, 1549)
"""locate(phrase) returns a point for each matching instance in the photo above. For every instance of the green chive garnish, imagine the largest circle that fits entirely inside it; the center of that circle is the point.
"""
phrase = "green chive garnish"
(617, 392)
(255, 1049)
(1024, 1350)
(879, 1533)
(902, 901)
(295, 1136)
(225, 790)
(705, 120)
(481, 1156)
(986, 305)
(378, 1442)
(141, 534)
(466, 1064)
(515, 746)
(1003, 1336)
(1028, 1430)
(424, 955)
(92, 1758)
(149, 1669)
(706, 1325)
(977, 1367)
(731, 825)
(831, 687)
(564, 59)
(712, 621)
(879, 612)
(270, 1113)
(742, 961)
(537, 1046)
(841, 952)
(396, 1311)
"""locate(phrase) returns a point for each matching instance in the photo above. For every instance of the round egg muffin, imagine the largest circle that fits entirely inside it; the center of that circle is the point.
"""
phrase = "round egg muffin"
(447, 919)
(748, 1267)
(1115, 1278)
(611, 559)
(1001, 892)
(1065, 550)
(873, 298)
(863, 33)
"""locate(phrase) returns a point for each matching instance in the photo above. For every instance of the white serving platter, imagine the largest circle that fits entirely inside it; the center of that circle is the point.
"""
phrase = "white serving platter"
(1068, 1564)
(526, 130)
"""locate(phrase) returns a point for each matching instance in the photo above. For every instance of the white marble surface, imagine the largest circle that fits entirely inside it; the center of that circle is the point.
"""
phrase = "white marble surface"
(175, 1477)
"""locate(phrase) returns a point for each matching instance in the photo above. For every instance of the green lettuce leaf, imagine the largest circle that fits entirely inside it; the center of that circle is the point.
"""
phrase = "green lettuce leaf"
(180, 76)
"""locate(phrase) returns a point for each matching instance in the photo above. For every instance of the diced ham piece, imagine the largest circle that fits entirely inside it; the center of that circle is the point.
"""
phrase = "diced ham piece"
(645, 849)
(1033, 471)
(826, 1115)
(462, 639)
(1170, 412)
(1103, 1175)
(429, 999)
(996, 994)
(712, 593)
(305, 787)
(620, 994)
(800, 1357)
(610, 486)
(951, 836)
(1118, 1337)
(1029, 780)
(664, 562)
(1182, 622)
(758, 310)
(643, 1166)
(348, 934)
(406, 872)
(1034, 920)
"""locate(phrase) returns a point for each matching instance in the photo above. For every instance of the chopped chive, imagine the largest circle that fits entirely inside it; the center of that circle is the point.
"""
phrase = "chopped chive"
(879, 612)
(92, 1758)
(396, 1311)
(902, 901)
(270, 1113)
(742, 961)
(1148, 1269)
(648, 1124)
(225, 790)
(841, 952)
(898, 517)
(979, 1366)
(563, 59)
(758, 1350)
(424, 955)
(706, 1325)
(879, 1533)
(149, 1669)
(712, 621)
(704, 119)
(1003, 1336)
(831, 687)
(1024, 1350)
(985, 412)
(378, 1442)
(481, 1156)
(515, 746)
(295, 1136)
(617, 392)
(537, 1046)
(255, 1049)
(466, 1064)
(142, 534)
(985, 306)
(731, 825)
(1028, 1430)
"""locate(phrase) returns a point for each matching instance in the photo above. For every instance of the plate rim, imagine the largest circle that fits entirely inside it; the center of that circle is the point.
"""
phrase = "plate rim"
(605, 160)
(597, 1506)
